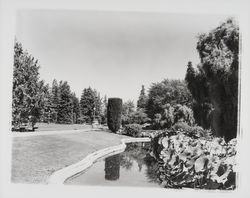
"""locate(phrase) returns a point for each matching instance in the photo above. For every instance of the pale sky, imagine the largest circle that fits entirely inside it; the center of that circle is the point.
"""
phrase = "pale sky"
(113, 52)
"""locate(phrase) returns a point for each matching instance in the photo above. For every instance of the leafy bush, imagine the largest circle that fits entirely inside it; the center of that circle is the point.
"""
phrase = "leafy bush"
(182, 113)
(134, 130)
(114, 113)
(168, 91)
(192, 131)
(140, 117)
(197, 163)
(171, 115)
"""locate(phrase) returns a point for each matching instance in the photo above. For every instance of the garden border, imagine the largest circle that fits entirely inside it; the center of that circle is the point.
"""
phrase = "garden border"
(60, 176)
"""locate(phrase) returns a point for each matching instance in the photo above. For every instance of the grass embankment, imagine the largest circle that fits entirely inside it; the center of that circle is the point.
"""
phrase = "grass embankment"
(35, 158)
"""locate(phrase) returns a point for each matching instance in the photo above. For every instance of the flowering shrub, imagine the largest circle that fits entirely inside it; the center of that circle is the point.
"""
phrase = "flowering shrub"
(197, 163)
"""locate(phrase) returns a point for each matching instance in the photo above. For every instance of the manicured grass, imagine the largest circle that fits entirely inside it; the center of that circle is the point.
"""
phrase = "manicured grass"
(35, 158)
(60, 127)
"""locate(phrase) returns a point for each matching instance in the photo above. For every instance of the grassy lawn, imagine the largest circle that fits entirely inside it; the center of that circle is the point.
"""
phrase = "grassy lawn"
(35, 158)
(60, 127)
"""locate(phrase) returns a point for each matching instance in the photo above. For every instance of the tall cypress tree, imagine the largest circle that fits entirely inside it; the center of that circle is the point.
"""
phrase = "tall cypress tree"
(142, 101)
(114, 114)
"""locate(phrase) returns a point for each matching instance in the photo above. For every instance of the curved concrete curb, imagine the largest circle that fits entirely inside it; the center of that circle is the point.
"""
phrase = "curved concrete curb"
(61, 175)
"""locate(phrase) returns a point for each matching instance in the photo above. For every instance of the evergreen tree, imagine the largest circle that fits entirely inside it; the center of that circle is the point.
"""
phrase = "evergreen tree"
(55, 98)
(87, 104)
(91, 105)
(198, 86)
(26, 93)
(45, 104)
(216, 81)
(65, 111)
(142, 101)
(114, 114)
(76, 109)
(98, 106)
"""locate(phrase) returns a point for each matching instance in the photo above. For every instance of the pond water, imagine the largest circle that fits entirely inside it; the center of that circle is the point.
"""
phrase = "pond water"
(136, 167)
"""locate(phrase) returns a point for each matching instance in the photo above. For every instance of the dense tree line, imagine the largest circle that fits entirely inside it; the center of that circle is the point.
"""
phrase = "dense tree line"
(34, 100)
(61, 104)
(166, 103)
(214, 84)
(208, 96)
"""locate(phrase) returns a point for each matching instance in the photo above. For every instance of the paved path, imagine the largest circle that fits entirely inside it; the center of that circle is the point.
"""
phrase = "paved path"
(28, 134)
(36, 157)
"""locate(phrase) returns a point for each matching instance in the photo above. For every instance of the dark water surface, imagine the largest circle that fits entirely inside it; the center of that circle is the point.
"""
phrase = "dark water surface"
(136, 167)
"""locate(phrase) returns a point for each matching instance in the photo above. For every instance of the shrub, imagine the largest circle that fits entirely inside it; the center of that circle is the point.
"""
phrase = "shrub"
(140, 117)
(171, 115)
(197, 163)
(191, 131)
(133, 130)
(114, 114)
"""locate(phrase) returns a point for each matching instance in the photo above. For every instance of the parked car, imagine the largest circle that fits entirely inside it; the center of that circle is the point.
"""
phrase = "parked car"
(24, 125)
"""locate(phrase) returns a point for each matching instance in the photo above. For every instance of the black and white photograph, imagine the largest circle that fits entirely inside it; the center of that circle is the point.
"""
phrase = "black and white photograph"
(126, 99)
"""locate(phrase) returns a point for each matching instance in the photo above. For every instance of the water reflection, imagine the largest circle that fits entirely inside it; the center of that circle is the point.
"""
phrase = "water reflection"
(136, 166)
(112, 167)
(135, 155)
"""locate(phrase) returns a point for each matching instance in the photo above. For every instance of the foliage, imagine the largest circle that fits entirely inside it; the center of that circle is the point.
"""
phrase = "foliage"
(46, 102)
(167, 92)
(128, 108)
(90, 105)
(192, 131)
(134, 130)
(140, 117)
(76, 108)
(60, 105)
(103, 114)
(27, 97)
(182, 113)
(172, 115)
(114, 113)
(169, 116)
(64, 114)
(55, 97)
(197, 163)
(33, 99)
(142, 101)
(214, 85)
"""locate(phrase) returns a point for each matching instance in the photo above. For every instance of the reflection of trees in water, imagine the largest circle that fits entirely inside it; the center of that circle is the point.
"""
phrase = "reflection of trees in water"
(126, 162)
(112, 167)
(152, 169)
(140, 153)
(133, 153)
